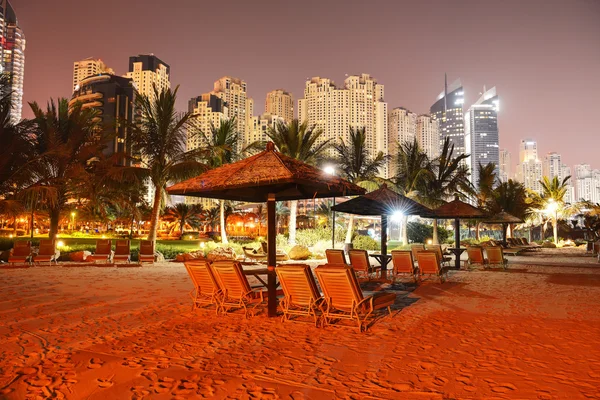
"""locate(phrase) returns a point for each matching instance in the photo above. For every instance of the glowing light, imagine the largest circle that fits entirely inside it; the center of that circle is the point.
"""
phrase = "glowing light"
(429, 241)
(10, 236)
(551, 207)
(60, 244)
(202, 245)
(103, 237)
(329, 170)
(73, 214)
(397, 216)
(190, 237)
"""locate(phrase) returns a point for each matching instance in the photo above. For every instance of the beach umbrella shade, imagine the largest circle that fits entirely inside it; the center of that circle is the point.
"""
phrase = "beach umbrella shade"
(383, 202)
(457, 210)
(504, 219)
(268, 176)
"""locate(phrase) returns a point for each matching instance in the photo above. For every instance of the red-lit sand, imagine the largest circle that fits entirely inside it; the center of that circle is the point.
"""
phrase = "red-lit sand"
(108, 333)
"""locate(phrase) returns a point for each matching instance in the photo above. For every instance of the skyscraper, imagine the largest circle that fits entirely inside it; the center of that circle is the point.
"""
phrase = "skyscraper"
(113, 97)
(207, 110)
(529, 169)
(12, 47)
(148, 71)
(587, 183)
(259, 126)
(428, 135)
(359, 104)
(553, 167)
(448, 109)
(280, 103)
(402, 128)
(481, 133)
(88, 67)
(505, 166)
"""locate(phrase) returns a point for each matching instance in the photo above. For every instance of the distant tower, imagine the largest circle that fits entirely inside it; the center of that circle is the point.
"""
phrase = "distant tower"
(88, 67)
(12, 63)
(505, 166)
(280, 103)
(428, 135)
(529, 169)
(148, 71)
(402, 128)
(448, 110)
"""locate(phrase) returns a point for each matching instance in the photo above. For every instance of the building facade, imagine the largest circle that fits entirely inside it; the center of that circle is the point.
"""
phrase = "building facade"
(207, 111)
(259, 126)
(88, 67)
(448, 110)
(402, 128)
(359, 104)
(428, 135)
(481, 134)
(587, 183)
(529, 169)
(112, 97)
(12, 47)
(553, 167)
(505, 166)
(280, 103)
(148, 71)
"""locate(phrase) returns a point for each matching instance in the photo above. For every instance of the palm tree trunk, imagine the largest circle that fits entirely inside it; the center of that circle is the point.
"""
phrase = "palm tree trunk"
(292, 225)
(181, 224)
(350, 229)
(435, 232)
(223, 226)
(54, 217)
(555, 230)
(155, 214)
(131, 227)
(477, 226)
(404, 229)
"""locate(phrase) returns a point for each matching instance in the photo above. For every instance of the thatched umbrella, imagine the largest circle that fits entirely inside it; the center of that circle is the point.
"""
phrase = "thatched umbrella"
(504, 219)
(383, 202)
(457, 210)
(268, 176)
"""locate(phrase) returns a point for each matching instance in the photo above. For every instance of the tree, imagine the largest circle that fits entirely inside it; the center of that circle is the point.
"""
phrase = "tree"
(301, 142)
(357, 166)
(159, 135)
(511, 197)
(487, 180)
(222, 141)
(551, 202)
(185, 214)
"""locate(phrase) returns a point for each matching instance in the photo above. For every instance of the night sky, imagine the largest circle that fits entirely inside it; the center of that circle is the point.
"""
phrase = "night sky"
(542, 55)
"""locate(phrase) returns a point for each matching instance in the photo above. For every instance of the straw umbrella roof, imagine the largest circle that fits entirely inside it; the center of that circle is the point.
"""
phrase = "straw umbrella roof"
(254, 178)
(457, 209)
(502, 218)
(383, 201)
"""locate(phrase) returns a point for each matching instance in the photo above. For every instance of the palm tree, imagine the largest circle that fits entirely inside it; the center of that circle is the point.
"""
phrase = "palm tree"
(159, 136)
(552, 202)
(301, 142)
(450, 175)
(511, 197)
(213, 217)
(184, 214)
(222, 142)
(357, 166)
(487, 180)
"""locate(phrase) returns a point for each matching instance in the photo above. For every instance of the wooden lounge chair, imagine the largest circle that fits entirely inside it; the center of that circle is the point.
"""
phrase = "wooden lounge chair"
(21, 253)
(359, 260)
(47, 252)
(429, 264)
(253, 255)
(279, 256)
(438, 249)
(335, 256)
(415, 249)
(206, 289)
(103, 251)
(344, 298)
(146, 253)
(533, 245)
(235, 289)
(495, 256)
(122, 251)
(475, 256)
(301, 295)
(402, 263)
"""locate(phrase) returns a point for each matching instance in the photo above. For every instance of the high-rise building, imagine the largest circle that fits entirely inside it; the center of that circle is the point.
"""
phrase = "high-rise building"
(402, 128)
(554, 168)
(12, 63)
(207, 111)
(112, 96)
(529, 169)
(504, 166)
(147, 72)
(88, 67)
(359, 104)
(481, 133)
(587, 183)
(259, 126)
(448, 109)
(428, 135)
(280, 103)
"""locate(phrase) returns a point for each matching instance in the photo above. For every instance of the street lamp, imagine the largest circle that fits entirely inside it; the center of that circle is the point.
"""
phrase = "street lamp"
(73, 220)
(330, 170)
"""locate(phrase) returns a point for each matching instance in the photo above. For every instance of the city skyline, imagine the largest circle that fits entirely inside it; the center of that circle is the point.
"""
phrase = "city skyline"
(530, 63)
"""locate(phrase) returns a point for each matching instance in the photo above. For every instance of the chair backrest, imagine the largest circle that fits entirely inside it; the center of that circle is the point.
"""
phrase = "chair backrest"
(475, 254)
(298, 284)
(47, 247)
(22, 248)
(495, 255)
(231, 278)
(103, 246)
(415, 248)
(264, 247)
(524, 241)
(340, 286)
(122, 247)
(402, 261)
(147, 248)
(203, 276)
(335, 256)
(359, 260)
(437, 248)
(429, 263)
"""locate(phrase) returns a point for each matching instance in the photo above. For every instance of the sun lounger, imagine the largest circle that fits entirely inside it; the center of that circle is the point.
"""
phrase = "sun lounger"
(253, 255)
(335, 256)
(21, 253)
(206, 289)
(122, 251)
(146, 253)
(429, 264)
(495, 255)
(359, 260)
(47, 252)
(402, 263)
(103, 251)
(475, 256)
(279, 256)
(344, 298)
(445, 260)
(416, 248)
(235, 289)
(301, 295)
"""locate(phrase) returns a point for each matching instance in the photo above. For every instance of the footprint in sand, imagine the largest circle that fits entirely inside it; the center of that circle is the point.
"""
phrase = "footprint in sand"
(104, 383)
(95, 363)
(504, 388)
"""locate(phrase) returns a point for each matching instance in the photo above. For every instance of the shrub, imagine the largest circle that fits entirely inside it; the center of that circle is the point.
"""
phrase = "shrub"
(310, 237)
(419, 232)
(365, 243)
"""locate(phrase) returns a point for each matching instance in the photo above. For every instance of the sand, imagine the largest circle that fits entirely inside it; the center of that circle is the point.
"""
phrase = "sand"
(129, 333)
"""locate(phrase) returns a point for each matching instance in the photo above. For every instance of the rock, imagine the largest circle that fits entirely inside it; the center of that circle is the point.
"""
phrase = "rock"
(80, 256)
(221, 253)
(299, 252)
(548, 245)
(159, 256)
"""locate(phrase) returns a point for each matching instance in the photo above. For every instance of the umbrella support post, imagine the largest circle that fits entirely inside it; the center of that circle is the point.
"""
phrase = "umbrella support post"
(457, 244)
(271, 256)
(384, 226)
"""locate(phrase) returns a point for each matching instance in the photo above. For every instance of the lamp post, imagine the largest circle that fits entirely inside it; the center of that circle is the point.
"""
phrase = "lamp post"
(331, 171)
(73, 221)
